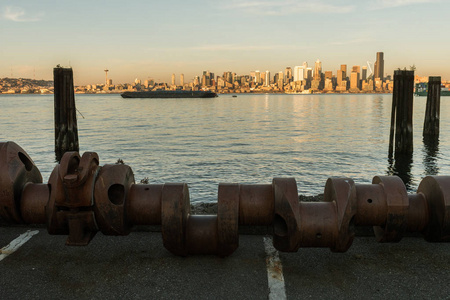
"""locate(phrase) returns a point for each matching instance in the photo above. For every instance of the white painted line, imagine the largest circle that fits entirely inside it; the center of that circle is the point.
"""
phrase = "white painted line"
(274, 271)
(17, 243)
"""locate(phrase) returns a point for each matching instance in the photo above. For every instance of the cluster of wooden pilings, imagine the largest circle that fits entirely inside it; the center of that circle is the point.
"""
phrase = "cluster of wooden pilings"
(402, 112)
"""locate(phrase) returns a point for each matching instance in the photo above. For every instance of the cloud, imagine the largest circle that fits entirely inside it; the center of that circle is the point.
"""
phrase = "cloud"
(352, 42)
(232, 47)
(226, 47)
(18, 14)
(288, 7)
(382, 4)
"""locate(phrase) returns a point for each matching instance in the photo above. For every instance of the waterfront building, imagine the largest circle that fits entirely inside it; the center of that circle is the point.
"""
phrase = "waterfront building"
(276, 76)
(220, 82)
(288, 74)
(368, 85)
(354, 81)
(182, 79)
(228, 77)
(280, 80)
(280, 83)
(308, 73)
(328, 85)
(357, 82)
(344, 70)
(364, 73)
(206, 78)
(267, 78)
(340, 77)
(378, 84)
(318, 70)
(173, 79)
(342, 87)
(379, 66)
(257, 77)
(299, 74)
(328, 74)
(203, 80)
(315, 84)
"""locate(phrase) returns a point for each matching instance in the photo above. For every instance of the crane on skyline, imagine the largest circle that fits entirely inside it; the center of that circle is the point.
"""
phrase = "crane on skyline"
(370, 69)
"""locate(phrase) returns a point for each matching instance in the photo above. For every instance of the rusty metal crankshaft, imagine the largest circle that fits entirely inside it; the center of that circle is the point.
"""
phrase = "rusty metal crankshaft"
(82, 198)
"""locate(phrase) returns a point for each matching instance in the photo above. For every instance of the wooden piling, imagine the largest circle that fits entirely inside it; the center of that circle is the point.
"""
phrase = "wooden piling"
(66, 130)
(432, 113)
(402, 113)
(393, 114)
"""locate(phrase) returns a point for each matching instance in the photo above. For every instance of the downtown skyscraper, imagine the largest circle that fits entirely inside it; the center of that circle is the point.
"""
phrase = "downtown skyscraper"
(379, 66)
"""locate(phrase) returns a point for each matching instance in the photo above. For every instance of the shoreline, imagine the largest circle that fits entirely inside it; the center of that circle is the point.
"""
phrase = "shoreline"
(229, 93)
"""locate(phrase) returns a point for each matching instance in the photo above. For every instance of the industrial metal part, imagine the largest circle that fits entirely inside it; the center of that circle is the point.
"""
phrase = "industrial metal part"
(82, 198)
(16, 170)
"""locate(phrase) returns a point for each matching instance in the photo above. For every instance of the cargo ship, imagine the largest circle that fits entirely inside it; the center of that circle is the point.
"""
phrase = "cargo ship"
(422, 90)
(169, 94)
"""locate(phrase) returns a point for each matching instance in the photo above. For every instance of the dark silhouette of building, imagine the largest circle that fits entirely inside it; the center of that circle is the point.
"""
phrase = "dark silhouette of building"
(379, 66)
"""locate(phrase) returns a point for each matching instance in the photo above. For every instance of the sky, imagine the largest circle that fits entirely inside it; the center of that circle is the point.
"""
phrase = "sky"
(154, 39)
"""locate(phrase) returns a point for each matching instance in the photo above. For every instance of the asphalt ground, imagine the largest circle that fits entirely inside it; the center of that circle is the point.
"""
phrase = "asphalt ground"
(137, 266)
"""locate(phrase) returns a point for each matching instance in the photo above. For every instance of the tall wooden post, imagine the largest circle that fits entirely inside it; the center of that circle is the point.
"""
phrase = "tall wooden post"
(402, 113)
(393, 114)
(66, 130)
(431, 123)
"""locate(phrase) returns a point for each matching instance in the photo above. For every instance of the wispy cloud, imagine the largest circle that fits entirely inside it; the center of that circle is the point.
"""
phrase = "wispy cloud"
(233, 47)
(18, 14)
(382, 4)
(351, 42)
(288, 7)
(226, 47)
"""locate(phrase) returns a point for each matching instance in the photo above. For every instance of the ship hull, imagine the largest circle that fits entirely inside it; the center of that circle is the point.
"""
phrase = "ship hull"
(169, 94)
(424, 93)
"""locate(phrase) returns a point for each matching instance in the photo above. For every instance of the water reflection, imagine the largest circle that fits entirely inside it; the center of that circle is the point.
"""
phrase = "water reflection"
(430, 157)
(249, 139)
(401, 166)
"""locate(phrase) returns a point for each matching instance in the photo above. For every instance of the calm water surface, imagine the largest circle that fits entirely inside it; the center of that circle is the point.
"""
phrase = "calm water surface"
(248, 139)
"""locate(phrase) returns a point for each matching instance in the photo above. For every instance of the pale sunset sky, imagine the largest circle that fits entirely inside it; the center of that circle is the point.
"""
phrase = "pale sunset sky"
(153, 39)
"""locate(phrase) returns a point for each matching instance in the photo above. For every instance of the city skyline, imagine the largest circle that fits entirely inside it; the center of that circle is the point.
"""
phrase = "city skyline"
(155, 40)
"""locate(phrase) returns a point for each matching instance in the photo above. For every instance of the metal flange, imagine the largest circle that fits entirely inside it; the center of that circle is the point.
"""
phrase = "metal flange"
(436, 190)
(16, 170)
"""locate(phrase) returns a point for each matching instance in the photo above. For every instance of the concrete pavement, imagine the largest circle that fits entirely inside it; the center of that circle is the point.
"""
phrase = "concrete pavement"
(138, 267)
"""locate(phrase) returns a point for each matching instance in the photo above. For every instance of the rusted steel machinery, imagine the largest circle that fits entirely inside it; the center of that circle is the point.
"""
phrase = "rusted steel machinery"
(82, 198)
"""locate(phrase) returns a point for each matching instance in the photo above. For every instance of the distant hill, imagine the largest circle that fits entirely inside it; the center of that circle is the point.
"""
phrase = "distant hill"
(23, 82)
(25, 86)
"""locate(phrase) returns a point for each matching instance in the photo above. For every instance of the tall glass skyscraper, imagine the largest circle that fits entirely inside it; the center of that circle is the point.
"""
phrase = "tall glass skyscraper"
(379, 66)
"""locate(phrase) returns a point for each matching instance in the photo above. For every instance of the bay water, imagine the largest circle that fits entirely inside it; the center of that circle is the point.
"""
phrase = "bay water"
(247, 139)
